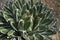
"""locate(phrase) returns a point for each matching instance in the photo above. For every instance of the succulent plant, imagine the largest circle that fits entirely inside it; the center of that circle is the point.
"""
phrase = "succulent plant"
(25, 20)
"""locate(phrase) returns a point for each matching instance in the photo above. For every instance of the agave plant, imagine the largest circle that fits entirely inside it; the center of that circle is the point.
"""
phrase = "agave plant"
(25, 20)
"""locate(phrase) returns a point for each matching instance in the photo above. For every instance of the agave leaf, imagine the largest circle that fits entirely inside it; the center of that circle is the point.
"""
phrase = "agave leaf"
(10, 33)
(11, 6)
(26, 24)
(23, 9)
(13, 26)
(2, 19)
(8, 10)
(7, 17)
(27, 5)
(13, 39)
(31, 23)
(34, 9)
(23, 2)
(39, 37)
(47, 38)
(47, 21)
(48, 32)
(3, 30)
(17, 15)
(31, 3)
(21, 24)
(1, 22)
(39, 7)
(17, 4)
(20, 3)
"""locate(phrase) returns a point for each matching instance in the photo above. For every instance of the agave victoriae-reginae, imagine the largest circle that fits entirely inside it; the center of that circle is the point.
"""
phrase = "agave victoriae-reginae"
(24, 20)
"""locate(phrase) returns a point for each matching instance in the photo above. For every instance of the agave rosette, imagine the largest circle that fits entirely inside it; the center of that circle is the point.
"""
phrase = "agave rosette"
(27, 21)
